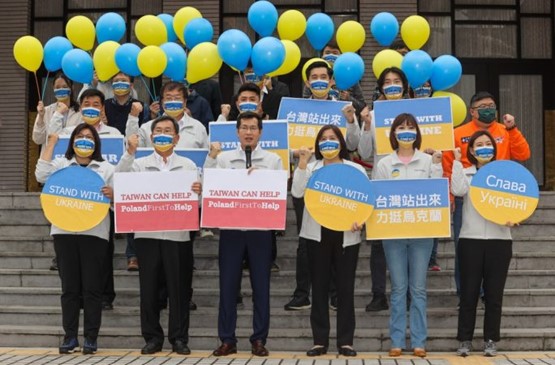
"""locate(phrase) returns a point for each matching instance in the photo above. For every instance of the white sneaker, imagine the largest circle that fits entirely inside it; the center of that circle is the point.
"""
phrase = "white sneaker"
(204, 233)
(490, 348)
(464, 348)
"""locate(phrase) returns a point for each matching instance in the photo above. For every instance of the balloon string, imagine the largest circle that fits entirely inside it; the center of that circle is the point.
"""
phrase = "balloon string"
(240, 77)
(148, 89)
(45, 83)
(38, 87)
(153, 88)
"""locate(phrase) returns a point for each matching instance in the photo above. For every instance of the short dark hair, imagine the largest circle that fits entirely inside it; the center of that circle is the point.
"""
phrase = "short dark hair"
(97, 154)
(249, 86)
(473, 139)
(398, 44)
(173, 85)
(249, 115)
(343, 151)
(399, 72)
(480, 95)
(91, 93)
(400, 119)
(332, 44)
(319, 64)
(131, 78)
(72, 103)
(164, 118)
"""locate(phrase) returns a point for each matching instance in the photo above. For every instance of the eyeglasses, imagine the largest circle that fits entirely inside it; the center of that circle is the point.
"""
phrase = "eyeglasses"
(484, 106)
(246, 128)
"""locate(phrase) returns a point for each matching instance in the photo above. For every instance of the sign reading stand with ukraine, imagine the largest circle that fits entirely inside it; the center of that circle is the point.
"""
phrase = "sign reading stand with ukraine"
(111, 148)
(433, 116)
(307, 116)
(504, 191)
(72, 199)
(274, 137)
(339, 195)
(155, 201)
(417, 208)
(235, 199)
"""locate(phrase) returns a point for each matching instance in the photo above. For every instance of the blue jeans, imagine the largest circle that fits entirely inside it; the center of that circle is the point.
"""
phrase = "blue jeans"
(407, 261)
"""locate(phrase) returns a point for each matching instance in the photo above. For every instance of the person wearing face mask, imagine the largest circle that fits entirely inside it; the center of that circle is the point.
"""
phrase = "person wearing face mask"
(65, 111)
(354, 94)
(247, 100)
(511, 145)
(81, 255)
(407, 259)
(392, 85)
(105, 87)
(328, 248)
(484, 250)
(173, 100)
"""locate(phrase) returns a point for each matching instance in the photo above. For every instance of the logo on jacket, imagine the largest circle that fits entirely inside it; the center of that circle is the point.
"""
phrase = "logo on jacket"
(395, 173)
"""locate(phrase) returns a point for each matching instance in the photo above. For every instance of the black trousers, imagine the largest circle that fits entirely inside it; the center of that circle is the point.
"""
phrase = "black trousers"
(173, 260)
(80, 265)
(482, 262)
(323, 256)
(109, 293)
(377, 268)
(302, 273)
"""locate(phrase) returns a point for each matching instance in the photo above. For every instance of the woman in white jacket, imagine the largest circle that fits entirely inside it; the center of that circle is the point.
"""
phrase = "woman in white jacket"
(484, 252)
(407, 259)
(328, 248)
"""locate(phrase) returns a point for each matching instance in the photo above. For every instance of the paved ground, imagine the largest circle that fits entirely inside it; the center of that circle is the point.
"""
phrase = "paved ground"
(14, 356)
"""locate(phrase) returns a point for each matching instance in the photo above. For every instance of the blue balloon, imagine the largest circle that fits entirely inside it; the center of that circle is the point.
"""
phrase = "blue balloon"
(447, 71)
(110, 27)
(319, 30)
(78, 66)
(263, 17)
(234, 47)
(384, 27)
(168, 22)
(197, 31)
(54, 51)
(417, 66)
(267, 55)
(176, 67)
(348, 69)
(126, 59)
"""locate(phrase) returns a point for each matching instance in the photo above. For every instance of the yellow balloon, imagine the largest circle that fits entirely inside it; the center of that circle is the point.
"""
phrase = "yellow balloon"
(310, 62)
(28, 53)
(182, 18)
(292, 59)
(151, 31)
(152, 61)
(104, 60)
(415, 31)
(291, 25)
(81, 32)
(385, 59)
(458, 107)
(350, 36)
(203, 62)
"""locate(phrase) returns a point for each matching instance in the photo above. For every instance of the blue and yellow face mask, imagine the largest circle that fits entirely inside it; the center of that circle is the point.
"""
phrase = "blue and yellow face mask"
(83, 147)
(329, 149)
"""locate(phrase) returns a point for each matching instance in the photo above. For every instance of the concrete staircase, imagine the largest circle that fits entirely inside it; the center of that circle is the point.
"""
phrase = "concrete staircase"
(30, 314)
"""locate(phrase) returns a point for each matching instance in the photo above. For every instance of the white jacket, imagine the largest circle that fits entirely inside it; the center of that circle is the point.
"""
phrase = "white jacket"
(473, 224)
(419, 167)
(236, 159)
(367, 146)
(103, 130)
(192, 133)
(106, 171)
(310, 229)
(128, 163)
(52, 116)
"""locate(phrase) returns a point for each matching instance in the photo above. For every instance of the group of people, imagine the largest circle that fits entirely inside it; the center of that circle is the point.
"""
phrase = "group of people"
(326, 259)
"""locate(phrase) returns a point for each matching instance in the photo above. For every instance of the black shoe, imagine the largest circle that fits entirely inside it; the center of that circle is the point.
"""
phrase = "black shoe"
(181, 348)
(296, 304)
(346, 351)
(89, 347)
(151, 348)
(192, 306)
(333, 304)
(317, 351)
(69, 346)
(54, 264)
(107, 306)
(378, 303)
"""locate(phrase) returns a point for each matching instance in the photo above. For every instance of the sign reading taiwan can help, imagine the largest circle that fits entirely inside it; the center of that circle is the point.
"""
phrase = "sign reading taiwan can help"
(433, 116)
(416, 208)
(307, 116)
(274, 137)
(504, 191)
(155, 201)
(339, 195)
(72, 199)
(234, 199)
(111, 148)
